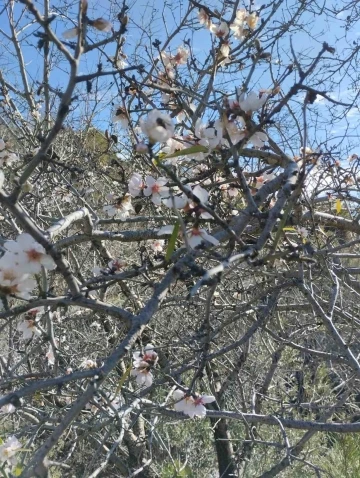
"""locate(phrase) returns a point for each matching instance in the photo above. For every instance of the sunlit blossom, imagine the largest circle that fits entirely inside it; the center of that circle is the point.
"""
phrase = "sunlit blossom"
(156, 189)
(221, 30)
(196, 236)
(136, 184)
(191, 405)
(157, 126)
(8, 450)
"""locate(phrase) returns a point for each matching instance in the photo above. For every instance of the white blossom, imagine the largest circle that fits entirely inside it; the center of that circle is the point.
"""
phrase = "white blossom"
(221, 30)
(9, 449)
(158, 245)
(120, 116)
(28, 329)
(143, 363)
(136, 185)
(156, 189)
(210, 137)
(196, 236)
(158, 127)
(121, 208)
(251, 101)
(193, 406)
(2, 179)
(117, 264)
(30, 254)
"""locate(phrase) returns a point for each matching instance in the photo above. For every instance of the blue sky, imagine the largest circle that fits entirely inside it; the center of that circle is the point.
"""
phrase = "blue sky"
(160, 19)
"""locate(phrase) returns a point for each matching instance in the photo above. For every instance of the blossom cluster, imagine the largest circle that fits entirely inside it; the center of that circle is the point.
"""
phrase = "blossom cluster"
(190, 404)
(7, 157)
(23, 257)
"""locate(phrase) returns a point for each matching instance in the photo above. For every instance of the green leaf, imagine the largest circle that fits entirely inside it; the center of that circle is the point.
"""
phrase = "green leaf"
(172, 241)
(198, 148)
(289, 229)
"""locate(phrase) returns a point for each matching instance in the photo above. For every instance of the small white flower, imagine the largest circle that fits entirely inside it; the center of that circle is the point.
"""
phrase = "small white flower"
(143, 363)
(2, 179)
(88, 363)
(158, 127)
(204, 18)
(28, 329)
(30, 254)
(191, 405)
(9, 449)
(8, 408)
(135, 185)
(181, 56)
(209, 137)
(120, 116)
(117, 264)
(156, 189)
(251, 102)
(120, 208)
(221, 30)
(196, 236)
(158, 245)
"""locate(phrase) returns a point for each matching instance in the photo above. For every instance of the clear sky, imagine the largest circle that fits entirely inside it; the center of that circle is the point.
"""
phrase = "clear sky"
(149, 21)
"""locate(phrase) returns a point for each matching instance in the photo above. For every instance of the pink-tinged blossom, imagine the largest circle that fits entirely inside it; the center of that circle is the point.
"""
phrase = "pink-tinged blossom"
(156, 189)
(30, 254)
(196, 236)
(143, 364)
(221, 30)
(193, 406)
(117, 264)
(251, 102)
(204, 18)
(158, 245)
(136, 185)
(157, 126)
(9, 449)
(14, 282)
(120, 209)
(181, 56)
(28, 329)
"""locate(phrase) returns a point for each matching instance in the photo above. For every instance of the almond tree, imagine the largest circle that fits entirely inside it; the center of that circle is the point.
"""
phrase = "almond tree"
(179, 238)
